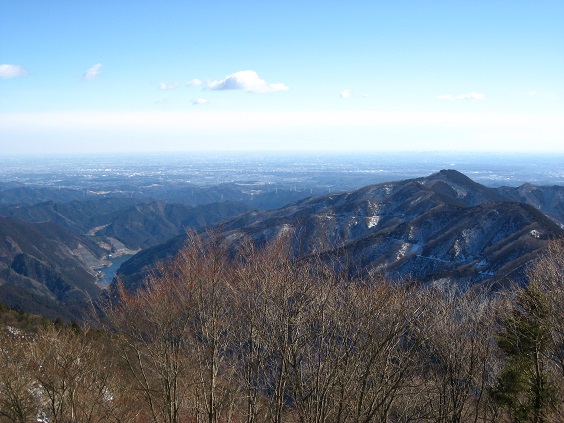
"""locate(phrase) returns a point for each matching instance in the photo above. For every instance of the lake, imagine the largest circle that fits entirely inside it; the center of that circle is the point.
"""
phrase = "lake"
(110, 271)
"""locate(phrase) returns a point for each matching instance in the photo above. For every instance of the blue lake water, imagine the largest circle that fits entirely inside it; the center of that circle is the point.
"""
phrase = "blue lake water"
(110, 272)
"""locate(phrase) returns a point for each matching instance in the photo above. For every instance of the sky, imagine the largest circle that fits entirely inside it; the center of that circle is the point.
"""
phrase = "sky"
(81, 76)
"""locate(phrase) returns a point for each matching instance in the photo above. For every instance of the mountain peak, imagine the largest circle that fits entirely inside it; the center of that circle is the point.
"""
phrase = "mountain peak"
(453, 176)
(460, 187)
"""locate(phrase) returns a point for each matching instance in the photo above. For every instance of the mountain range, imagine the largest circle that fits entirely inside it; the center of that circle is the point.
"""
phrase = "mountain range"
(444, 226)
(50, 252)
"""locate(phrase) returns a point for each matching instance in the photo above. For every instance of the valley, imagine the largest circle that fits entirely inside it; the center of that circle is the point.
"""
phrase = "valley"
(366, 215)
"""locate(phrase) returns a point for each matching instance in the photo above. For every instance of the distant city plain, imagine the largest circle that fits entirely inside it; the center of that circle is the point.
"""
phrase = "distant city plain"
(330, 171)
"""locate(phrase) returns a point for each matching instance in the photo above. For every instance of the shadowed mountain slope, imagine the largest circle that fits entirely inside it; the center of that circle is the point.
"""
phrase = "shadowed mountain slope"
(42, 269)
(145, 225)
(78, 216)
(134, 225)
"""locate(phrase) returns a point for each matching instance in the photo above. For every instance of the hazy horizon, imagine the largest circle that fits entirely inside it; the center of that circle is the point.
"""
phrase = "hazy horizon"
(349, 170)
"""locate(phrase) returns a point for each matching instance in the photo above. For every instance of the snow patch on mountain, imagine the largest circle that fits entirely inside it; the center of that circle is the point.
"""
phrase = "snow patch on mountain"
(402, 250)
(372, 221)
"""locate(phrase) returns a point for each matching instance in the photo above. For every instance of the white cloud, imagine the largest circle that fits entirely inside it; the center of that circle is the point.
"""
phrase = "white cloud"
(92, 72)
(470, 96)
(247, 80)
(194, 83)
(164, 86)
(346, 94)
(545, 95)
(199, 101)
(11, 71)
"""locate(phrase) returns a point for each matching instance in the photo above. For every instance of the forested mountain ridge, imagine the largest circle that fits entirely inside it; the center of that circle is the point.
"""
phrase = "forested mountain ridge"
(145, 225)
(135, 225)
(254, 194)
(43, 270)
(51, 262)
(77, 215)
(441, 226)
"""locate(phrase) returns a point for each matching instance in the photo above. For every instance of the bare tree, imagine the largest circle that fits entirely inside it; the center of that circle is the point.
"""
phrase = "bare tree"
(458, 354)
(204, 266)
(173, 335)
(152, 328)
(254, 354)
(72, 379)
(285, 296)
(387, 317)
(18, 403)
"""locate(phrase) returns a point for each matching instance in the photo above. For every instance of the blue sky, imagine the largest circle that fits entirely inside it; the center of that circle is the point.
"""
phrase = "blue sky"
(425, 75)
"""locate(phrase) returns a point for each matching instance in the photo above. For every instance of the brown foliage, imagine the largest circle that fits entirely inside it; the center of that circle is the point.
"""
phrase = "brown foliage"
(258, 336)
